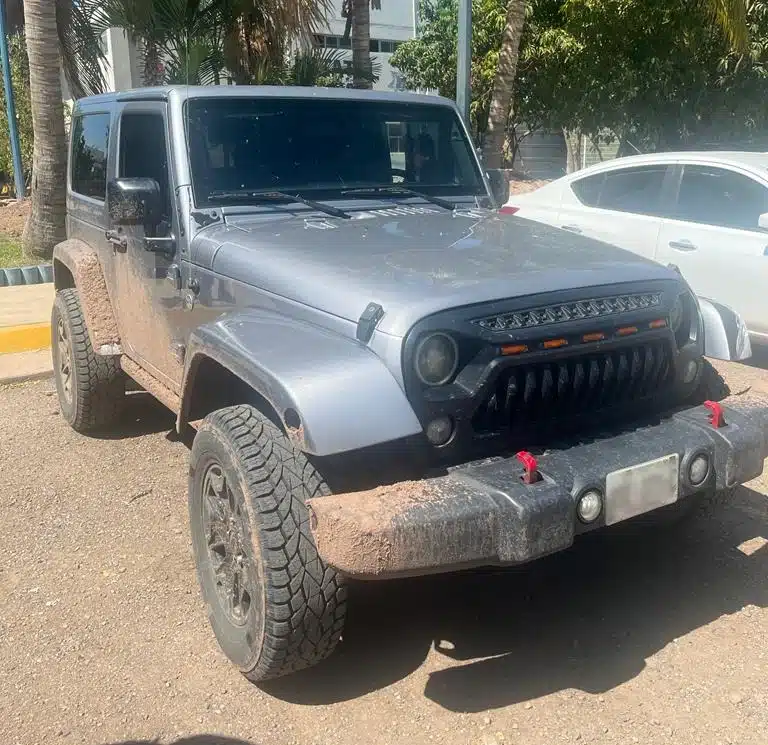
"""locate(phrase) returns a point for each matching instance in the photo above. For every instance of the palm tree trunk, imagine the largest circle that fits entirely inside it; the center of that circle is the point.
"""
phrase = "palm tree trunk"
(46, 225)
(154, 70)
(503, 85)
(361, 44)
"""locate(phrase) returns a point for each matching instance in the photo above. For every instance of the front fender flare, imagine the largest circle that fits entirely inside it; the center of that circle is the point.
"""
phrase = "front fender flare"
(725, 333)
(344, 395)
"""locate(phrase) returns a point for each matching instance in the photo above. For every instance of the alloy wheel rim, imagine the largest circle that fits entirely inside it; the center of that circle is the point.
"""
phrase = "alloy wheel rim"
(65, 359)
(225, 535)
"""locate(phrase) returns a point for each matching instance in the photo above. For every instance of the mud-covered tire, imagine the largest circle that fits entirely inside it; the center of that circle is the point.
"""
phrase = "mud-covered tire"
(91, 387)
(286, 610)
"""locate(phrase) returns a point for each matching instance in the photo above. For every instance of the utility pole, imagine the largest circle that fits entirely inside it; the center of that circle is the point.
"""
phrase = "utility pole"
(416, 19)
(463, 90)
(13, 132)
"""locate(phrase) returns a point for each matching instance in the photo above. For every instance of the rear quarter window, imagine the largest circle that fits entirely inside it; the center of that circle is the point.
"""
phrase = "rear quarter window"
(90, 138)
(633, 190)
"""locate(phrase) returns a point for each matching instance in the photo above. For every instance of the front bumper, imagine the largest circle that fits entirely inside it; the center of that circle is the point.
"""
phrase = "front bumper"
(483, 514)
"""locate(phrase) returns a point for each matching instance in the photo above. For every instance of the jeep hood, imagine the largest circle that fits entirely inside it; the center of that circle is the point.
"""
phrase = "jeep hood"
(413, 265)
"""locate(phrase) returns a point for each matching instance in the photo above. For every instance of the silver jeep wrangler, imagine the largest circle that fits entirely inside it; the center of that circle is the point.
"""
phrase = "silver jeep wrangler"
(384, 375)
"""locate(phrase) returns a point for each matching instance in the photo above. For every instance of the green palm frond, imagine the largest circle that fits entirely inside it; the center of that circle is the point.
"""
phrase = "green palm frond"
(731, 16)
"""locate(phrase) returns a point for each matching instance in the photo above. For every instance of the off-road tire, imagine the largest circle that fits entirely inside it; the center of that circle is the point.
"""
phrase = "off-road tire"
(296, 616)
(96, 384)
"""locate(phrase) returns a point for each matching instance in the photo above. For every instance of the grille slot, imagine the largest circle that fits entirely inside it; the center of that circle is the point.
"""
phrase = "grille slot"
(544, 390)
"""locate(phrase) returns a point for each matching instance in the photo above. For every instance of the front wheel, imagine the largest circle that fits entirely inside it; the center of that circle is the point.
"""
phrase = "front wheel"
(274, 606)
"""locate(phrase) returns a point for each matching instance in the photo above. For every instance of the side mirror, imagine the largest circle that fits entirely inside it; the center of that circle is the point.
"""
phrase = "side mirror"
(762, 221)
(134, 201)
(499, 185)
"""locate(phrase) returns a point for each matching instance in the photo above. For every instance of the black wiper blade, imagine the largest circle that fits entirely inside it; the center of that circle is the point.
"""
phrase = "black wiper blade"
(405, 191)
(274, 195)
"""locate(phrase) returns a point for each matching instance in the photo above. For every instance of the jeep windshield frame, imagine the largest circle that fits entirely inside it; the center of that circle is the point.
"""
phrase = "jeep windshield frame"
(325, 147)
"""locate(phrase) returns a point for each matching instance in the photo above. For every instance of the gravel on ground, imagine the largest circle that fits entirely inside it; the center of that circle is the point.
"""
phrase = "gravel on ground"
(630, 637)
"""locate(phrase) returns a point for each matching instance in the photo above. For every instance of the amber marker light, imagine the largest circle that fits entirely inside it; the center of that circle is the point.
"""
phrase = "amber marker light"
(555, 343)
(658, 324)
(626, 331)
(514, 349)
(597, 336)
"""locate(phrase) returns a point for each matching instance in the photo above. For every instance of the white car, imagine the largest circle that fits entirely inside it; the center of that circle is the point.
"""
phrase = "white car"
(706, 212)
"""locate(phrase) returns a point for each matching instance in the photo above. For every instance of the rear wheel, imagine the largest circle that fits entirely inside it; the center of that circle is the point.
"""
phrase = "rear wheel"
(274, 606)
(91, 387)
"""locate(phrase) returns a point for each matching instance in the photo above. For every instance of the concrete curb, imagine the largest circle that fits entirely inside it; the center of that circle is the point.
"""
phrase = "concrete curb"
(29, 378)
(26, 275)
(25, 338)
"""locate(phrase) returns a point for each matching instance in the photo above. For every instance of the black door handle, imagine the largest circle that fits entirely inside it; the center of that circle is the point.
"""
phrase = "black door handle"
(683, 245)
(120, 242)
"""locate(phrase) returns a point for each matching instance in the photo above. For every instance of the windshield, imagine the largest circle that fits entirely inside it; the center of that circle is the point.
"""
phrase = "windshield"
(321, 145)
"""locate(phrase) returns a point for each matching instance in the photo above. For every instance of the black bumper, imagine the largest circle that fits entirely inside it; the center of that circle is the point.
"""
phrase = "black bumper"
(483, 513)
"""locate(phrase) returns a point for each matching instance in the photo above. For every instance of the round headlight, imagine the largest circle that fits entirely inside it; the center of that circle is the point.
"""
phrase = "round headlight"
(677, 314)
(437, 357)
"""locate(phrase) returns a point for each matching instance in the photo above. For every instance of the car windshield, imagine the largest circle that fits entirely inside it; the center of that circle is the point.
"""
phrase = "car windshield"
(239, 146)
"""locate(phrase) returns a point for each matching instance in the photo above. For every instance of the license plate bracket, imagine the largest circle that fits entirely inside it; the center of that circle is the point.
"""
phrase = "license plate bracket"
(639, 489)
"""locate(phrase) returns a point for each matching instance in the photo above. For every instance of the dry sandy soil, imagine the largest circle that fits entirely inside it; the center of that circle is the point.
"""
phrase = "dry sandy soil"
(13, 216)
(627, 638)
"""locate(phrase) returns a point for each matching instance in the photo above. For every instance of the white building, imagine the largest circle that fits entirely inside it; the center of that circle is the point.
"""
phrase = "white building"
(390, 26)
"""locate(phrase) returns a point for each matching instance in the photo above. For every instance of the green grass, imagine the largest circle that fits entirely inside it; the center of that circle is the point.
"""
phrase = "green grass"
(10, 253)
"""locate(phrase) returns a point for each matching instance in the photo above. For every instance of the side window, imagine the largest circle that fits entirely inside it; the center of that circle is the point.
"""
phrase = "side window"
(143, 152)
(635, 190)
(90, 135)
(587, 190)
(716, 196)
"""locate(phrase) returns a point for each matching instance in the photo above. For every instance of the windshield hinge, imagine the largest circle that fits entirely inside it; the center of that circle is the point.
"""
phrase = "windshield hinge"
(366, 324)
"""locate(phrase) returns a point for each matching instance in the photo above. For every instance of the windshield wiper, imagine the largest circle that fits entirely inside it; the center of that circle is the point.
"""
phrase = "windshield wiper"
(275, 195)
(405, 191)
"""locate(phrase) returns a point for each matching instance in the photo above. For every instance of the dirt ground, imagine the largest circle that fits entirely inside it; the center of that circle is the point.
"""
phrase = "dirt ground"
(520, 186)
(627, 638)
(13, 216)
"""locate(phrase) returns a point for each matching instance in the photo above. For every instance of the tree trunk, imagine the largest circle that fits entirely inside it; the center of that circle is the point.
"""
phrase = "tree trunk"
(154, 70)
(574, 144)
(503, 85)
(361, 44)
(46, 225)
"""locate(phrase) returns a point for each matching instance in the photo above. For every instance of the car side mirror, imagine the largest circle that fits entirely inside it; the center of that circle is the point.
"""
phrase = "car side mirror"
(499, 185)
(134, 201)
(762, 221)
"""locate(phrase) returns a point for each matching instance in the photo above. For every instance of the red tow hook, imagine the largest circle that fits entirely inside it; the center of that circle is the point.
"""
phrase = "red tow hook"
(716, 418)
(530, 468)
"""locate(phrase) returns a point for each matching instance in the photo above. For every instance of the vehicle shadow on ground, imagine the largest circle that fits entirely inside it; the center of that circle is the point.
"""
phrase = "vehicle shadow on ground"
(194, 740)
(143, 415)
(587, 618)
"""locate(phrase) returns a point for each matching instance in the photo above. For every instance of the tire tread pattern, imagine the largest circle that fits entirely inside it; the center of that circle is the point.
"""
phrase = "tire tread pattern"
(305, 599)
(99, 397)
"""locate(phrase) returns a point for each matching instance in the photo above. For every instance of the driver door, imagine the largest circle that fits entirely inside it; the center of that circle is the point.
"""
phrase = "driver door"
(148, 282)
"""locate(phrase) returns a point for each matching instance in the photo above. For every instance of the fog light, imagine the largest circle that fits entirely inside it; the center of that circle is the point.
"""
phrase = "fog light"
(699, 469)
(691, 371)
(590, 506)
(439, 430)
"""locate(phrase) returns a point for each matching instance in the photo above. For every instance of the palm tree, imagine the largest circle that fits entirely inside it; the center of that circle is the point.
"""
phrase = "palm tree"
(729, 15)
(503, 85)
(358, 15)
(46, 224)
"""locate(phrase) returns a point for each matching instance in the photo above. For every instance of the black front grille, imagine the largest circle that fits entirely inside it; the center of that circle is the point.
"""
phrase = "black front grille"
(526, 393)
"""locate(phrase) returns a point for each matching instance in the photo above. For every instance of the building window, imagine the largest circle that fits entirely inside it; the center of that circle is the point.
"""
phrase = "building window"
(384, 46)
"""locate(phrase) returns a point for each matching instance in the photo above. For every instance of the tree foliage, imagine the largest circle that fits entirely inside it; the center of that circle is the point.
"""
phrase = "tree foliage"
(17, 51)
(429, 62)
(661, 74)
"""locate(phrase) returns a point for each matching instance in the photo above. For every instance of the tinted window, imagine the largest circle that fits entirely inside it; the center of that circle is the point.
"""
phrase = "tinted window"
(306, 144)
(719, 197)
(635, 190)
(587, 190)
(90, 135)
(143, 153)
